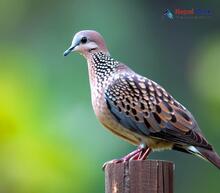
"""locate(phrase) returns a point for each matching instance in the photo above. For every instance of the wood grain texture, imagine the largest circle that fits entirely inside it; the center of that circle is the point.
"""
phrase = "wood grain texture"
(147, 176)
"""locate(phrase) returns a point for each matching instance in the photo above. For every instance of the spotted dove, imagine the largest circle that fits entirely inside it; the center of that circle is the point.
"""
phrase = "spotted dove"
(136, 108)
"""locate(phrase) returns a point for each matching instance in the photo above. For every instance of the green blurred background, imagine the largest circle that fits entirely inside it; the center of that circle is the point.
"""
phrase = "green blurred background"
(50, 140)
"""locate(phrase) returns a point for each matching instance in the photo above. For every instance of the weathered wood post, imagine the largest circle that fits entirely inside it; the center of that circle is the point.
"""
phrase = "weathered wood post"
(148, 176)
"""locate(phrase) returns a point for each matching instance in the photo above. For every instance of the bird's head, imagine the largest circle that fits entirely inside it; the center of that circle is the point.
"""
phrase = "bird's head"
(85, 42)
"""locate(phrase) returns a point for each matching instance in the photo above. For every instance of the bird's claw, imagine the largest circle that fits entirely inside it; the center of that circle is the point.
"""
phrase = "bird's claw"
(114, 161)
(139, 154)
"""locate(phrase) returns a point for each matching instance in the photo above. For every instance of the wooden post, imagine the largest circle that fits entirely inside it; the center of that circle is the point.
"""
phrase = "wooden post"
(147, 176)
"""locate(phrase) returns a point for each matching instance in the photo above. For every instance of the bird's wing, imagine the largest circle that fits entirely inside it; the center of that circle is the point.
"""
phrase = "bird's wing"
(144, 107)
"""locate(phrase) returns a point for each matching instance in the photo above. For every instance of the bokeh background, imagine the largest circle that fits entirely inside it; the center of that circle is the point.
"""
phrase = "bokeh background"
(50, 140)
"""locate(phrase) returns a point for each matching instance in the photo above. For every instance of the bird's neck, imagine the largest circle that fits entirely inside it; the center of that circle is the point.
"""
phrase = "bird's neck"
(101, 68)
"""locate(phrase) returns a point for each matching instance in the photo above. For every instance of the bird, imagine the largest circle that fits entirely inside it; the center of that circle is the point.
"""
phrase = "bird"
(135, 108)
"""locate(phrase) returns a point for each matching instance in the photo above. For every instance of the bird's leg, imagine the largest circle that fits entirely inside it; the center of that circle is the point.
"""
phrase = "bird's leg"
(140, 153)
(144, 154)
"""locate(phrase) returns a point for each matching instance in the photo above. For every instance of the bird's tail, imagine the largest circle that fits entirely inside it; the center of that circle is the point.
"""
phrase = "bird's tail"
(209, 155)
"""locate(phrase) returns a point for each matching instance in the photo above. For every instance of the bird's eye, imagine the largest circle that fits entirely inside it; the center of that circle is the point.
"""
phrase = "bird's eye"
(83, 40)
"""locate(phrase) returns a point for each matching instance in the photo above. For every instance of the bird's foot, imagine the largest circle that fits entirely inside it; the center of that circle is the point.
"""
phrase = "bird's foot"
(139, 154)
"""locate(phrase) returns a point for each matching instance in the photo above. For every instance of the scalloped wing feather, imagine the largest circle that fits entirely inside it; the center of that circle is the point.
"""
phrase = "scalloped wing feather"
(144, 107)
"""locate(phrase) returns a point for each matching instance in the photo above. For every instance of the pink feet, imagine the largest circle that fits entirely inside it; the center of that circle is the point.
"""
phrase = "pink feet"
(139, 154)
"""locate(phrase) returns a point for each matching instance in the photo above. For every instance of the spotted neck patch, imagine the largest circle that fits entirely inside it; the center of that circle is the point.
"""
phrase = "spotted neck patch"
(103, 66)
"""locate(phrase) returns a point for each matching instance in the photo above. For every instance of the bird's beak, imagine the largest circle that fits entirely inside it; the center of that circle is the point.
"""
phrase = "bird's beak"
(75, 43)
(70, 49)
